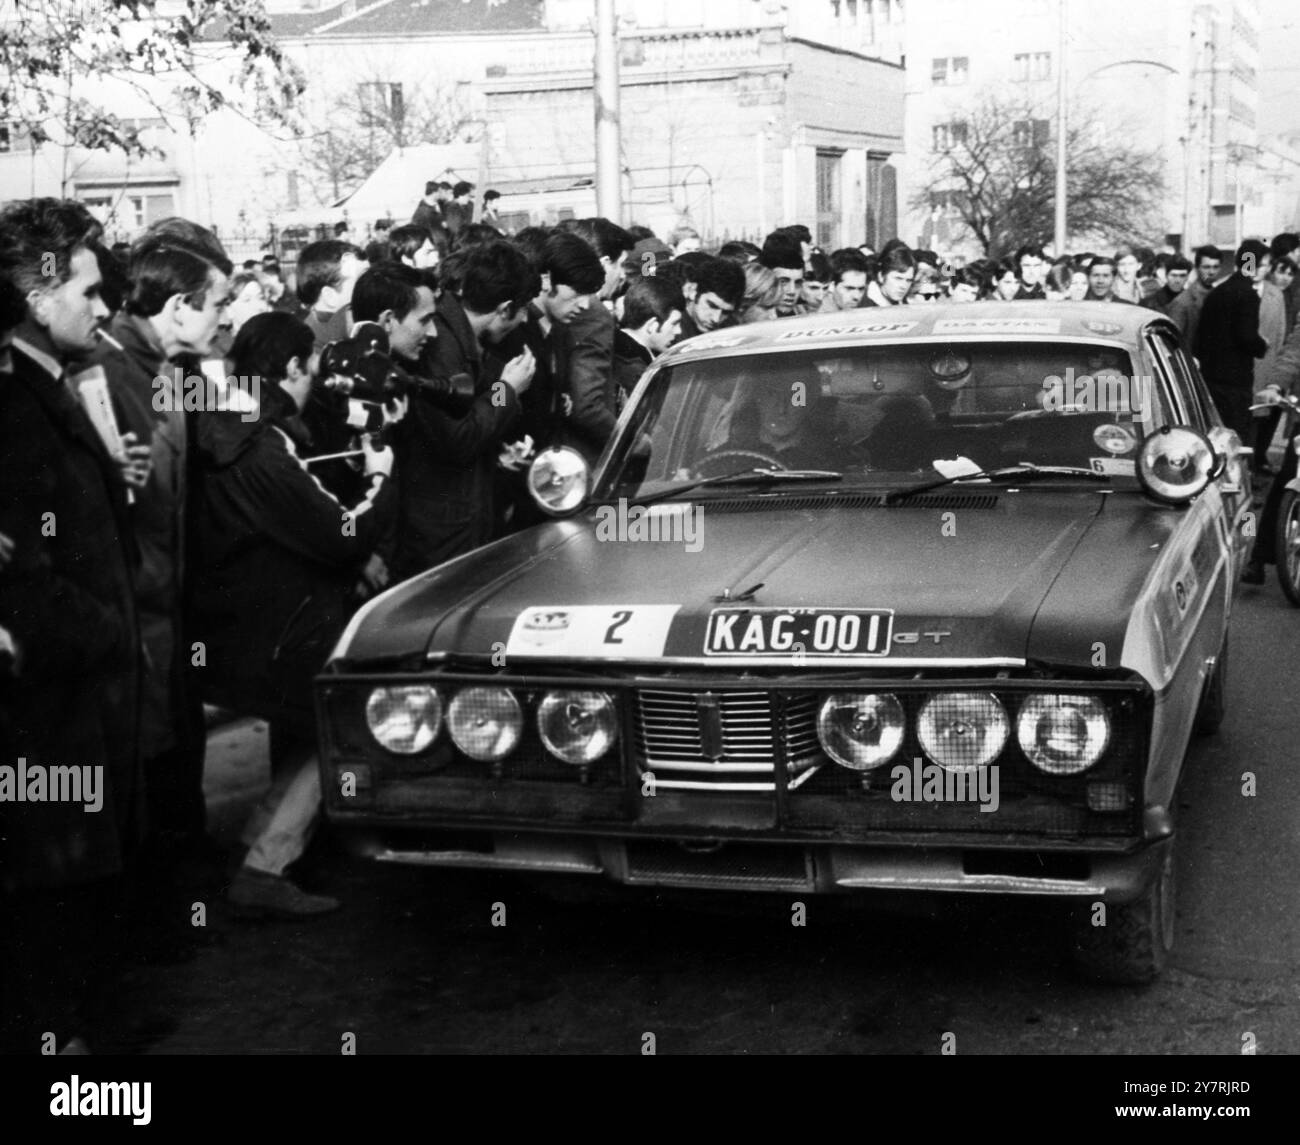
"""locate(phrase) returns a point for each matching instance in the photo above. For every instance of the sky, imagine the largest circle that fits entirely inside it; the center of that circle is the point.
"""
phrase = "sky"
(1279, 81)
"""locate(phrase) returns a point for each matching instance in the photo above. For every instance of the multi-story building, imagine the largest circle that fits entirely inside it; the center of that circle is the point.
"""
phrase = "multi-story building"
(1178, 78)
(737, 115)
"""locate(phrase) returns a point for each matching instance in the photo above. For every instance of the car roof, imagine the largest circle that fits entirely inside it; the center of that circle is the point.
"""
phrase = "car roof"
(943, 321)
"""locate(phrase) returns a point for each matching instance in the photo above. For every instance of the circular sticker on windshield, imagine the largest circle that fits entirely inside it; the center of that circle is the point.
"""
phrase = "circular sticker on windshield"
(1114, 438)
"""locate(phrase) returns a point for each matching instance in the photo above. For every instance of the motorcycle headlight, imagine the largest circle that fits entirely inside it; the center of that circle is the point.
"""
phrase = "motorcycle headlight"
(578, 727)
(485, 723)
(404, 720)
(1063, 735)
(860, 730)
(963, 731)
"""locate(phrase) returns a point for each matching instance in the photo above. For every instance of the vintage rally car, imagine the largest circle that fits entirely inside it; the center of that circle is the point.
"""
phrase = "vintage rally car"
(919, 598)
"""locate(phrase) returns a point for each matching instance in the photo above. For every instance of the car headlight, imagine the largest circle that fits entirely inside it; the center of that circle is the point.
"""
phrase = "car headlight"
(1063, 734)
(485, 723)
(963, 731)
(860, 730)
(404, 720)
(578, 727)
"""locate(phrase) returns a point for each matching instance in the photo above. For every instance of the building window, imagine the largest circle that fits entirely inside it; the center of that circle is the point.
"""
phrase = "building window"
(161, 205)
(131, 213)
(949, 71)
(381, 102)
(1031, 66)
(1032, 132)
(128, 212)
(13, 137)
(946, 136)
(828, 198)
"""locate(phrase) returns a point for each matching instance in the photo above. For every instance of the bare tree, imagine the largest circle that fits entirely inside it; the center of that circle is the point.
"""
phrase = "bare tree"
(996, 166)
(365, 121)
(64, 63)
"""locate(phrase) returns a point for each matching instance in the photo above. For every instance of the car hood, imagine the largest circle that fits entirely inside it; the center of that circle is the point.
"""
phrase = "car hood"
(1037, 575)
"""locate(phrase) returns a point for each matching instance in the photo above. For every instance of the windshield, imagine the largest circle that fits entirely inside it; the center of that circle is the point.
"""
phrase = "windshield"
(885, 414)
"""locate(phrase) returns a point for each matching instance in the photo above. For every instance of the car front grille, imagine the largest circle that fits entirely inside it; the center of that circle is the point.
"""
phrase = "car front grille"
(724, 740)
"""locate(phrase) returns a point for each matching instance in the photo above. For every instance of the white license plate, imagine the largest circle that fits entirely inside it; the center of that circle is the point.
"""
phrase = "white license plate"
(790, 631)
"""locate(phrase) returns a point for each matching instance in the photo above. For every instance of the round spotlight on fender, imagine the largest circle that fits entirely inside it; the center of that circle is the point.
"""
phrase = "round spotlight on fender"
(1063, 734)
(861, 730)
(963, 731)
(485, 723)
(558, 480)
(1175, 464)
(577, 727)
(404, 720)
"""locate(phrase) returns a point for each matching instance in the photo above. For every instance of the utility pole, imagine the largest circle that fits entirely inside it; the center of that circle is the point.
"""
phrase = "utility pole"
(609, 184)
(1060, 236)
(1235, 156)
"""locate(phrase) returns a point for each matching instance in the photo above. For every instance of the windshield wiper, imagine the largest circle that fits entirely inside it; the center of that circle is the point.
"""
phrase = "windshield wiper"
(741, 476)
(1026, 470)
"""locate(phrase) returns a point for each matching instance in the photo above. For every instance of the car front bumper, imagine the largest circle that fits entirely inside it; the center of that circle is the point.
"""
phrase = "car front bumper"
(743, 865)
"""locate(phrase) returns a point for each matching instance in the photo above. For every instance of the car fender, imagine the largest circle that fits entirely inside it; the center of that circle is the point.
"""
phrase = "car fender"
(1175, 630)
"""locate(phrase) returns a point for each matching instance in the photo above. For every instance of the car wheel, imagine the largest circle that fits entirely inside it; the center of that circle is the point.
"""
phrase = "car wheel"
(1133, 947)
(1287, 545)
(1214, 701)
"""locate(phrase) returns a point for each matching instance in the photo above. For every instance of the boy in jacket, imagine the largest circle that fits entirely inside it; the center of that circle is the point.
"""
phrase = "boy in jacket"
(280, 559)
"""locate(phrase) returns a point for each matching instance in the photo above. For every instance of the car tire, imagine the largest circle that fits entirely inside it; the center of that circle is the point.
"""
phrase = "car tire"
(1133, 947)
(1214, 698)
(1286, 545)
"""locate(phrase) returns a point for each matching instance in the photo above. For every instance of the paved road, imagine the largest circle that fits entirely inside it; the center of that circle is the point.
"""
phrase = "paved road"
(413, 962)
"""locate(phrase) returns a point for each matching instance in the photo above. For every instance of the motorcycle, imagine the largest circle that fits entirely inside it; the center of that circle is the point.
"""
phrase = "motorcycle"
(1286, 497)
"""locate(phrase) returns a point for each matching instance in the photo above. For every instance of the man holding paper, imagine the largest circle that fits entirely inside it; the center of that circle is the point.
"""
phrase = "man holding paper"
(67, 599)
(178, 289)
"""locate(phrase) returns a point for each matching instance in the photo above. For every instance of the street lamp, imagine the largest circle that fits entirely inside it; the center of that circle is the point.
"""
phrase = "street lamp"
(609, 190)
(1062, 194)
(1059, 232)
(1236, 155)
